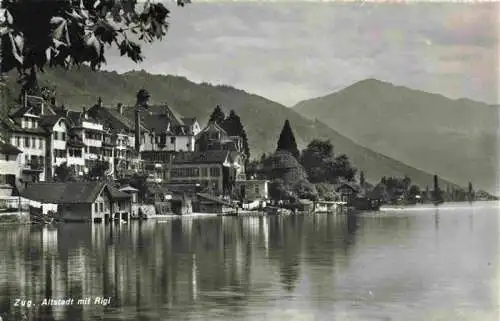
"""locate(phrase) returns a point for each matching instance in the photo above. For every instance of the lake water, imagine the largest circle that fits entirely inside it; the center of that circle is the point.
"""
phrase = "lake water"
(401, 264)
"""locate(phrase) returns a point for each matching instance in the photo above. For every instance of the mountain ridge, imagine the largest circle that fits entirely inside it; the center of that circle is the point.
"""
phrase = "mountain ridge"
(261, 117)
(457, 138)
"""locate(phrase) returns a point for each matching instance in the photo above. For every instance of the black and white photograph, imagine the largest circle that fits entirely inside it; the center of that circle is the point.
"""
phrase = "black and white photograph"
(249, 160)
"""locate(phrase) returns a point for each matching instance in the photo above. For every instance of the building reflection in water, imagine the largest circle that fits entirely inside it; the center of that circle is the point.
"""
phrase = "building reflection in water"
(164, 268)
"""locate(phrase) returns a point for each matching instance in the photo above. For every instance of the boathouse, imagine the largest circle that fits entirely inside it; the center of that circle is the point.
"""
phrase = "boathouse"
(81, 201)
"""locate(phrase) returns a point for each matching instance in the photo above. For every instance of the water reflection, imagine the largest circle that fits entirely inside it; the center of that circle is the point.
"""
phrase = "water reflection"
(223, 268)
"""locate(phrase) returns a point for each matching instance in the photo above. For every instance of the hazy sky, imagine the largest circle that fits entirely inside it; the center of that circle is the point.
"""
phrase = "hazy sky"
(288, 52)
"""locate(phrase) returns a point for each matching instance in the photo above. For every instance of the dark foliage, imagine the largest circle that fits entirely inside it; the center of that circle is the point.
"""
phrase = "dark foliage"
(217, 115)
(63, 173)
(36, 34)
(286, 141)
(233, 126)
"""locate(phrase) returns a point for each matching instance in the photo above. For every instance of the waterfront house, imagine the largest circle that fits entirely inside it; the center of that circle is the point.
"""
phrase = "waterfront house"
(252, 189)
(348, 192)
(80, 200)
(214, 170)
(9, 167)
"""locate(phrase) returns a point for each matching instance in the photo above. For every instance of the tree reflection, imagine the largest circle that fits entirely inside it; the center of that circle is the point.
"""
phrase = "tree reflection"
(160, 265)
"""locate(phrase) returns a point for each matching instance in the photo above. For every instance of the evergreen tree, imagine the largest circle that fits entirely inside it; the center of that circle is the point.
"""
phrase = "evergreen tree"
(286, 141)
(438, 197)
(217, 115)
(471, 193)
(233, 126)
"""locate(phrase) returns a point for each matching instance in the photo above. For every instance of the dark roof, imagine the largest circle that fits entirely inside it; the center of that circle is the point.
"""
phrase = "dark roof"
(208, 197)
(13, 126)
(9, 149)
(117, 194)
(63, 192)
(112, 118)
(207, 157)
(189, 121)
(74, 116)
(158, 118)
(352, 186)
(49, 121)
(20, 111)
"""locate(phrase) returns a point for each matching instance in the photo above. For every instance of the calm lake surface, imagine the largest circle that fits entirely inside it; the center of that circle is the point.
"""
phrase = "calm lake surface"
(400, 264)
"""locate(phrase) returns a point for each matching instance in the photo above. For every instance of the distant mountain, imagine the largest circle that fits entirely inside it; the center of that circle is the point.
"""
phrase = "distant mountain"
(458, 139)
(262, 118)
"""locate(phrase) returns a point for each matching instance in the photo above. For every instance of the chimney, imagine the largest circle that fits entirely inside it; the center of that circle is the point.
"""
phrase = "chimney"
(120, 108)
(99, 102)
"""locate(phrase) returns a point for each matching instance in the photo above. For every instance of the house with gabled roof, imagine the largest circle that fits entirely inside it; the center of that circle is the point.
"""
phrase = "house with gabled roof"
(80, 200)
(25, 132)
(165, 128)
(214, 170)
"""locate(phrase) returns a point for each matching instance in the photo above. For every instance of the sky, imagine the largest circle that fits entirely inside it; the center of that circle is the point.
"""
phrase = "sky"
(291, 51)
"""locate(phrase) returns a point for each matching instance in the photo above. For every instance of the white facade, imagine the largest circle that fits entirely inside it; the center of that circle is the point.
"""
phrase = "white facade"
(32, 146)
(10, 165)
(58, 142)
(175, 143)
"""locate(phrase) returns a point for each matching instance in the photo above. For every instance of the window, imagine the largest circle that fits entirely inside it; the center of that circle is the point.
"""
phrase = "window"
(7, 158)
(204, 171)
(214, 171)
(101, 207)
(18, 141)
(96, 208)
(33, 142)
(40, 144)
(172, 140)
(26, 159)
(27, 142)
(56, 135)
(256, 189)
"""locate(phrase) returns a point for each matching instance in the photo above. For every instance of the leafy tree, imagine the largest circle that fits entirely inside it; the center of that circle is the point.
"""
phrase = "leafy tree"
(278, 190)
(98, 171)
(63, 173)
(413, 192)
(305, 190)
(286, 141)
(343, 168)
(64, 33)
(319, 162)
(217, 115)
(326, 191)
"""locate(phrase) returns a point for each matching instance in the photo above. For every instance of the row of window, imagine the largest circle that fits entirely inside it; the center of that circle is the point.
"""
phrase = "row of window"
(93, 135)
(195, 172)
(60, 153)
(75, 152)
(34, 160)
(29, 123)
(28, 142)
